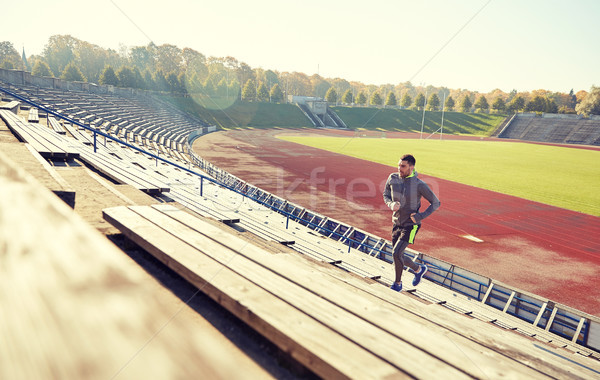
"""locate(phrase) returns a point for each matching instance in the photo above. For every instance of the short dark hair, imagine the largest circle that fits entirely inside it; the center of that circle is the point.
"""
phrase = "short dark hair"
(409, 158)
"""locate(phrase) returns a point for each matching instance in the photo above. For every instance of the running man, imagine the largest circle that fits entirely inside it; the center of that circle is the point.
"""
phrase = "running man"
(402, 194)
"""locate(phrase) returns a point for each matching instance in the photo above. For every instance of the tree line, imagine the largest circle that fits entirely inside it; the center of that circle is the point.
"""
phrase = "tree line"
(187, 72)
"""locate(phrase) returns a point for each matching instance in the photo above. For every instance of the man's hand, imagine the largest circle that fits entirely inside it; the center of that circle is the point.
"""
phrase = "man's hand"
(412, 217)
(396, 206)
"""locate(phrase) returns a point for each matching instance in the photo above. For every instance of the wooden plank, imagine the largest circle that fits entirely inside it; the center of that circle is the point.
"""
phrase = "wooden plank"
(74, 306)
(578, 331)
(551, 319)
(540, 313)
(328, 354)
(509, 301)
(430, 338)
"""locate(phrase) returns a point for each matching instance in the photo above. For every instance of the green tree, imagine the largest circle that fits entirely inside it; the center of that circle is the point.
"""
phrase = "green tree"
(391, 99)
(331, 95)
(126, 77)
(537, 104)
(420, 101)
(148, 80)
(249, 90)
(466, 104)
(108, 76)
(434, 102)
(499, 104)
(361, 98)
(58, 52)
(276, 94)
(172, 81)
(91, 59)
(9, 56)
(72, 73)
(482, 103)
(347, 98)
(160, 81)
(406, 100)
(449, 104)
(590, 105)
(139, 79)
(551, 106)
(262, 94)
(41, 69)
(169, 59)
(143, 57)
(376, 99)
(516, 104)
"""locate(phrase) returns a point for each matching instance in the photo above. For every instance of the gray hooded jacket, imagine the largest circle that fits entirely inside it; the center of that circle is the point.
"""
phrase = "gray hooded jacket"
(408, 192)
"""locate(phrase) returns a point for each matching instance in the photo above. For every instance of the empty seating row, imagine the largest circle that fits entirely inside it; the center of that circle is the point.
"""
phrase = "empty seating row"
(47, 143)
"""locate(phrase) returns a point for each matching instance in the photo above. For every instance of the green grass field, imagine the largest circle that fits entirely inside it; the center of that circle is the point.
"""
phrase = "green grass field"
(563, 177)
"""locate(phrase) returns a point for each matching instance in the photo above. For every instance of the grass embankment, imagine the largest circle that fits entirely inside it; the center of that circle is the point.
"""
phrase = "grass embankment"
(244, 114)
(558, 176)
(272, 115)
(386, 119)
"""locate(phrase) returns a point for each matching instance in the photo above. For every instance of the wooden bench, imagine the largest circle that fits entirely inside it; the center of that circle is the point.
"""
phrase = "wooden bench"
(335, 324)
(55, 125)
(42, 139)
(12, 106)
(75, 306)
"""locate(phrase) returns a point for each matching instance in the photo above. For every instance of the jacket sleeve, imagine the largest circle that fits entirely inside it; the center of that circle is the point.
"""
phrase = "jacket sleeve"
(387, 194)
(434, 202)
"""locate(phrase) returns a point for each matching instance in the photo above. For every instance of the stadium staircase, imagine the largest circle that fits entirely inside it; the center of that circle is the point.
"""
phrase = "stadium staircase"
(553, 128)
(157, 158)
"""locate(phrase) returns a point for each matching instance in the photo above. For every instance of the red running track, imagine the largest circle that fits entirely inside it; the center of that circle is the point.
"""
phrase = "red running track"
(538, 248)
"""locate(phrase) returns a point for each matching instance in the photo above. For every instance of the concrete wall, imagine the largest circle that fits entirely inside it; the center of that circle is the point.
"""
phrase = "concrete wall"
(24, 78)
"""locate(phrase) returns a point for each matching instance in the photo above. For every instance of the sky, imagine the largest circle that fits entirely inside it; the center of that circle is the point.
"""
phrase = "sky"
(479, 45)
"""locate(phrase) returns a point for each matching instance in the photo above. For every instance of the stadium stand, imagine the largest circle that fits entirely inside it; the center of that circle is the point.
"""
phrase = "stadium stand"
(209, 191)
(552, 128)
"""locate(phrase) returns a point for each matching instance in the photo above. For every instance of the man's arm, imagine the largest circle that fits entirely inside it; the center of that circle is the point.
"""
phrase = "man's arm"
(434, 203)
(387, 195)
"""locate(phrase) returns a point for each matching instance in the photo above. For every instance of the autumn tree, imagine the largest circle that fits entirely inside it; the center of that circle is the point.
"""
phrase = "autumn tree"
(72, 73)
(58, 52)
(590, 105)
(41, 69)
(9, 56)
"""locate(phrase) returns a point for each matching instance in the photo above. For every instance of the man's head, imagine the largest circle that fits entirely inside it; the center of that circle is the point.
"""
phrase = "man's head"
(406, 165)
